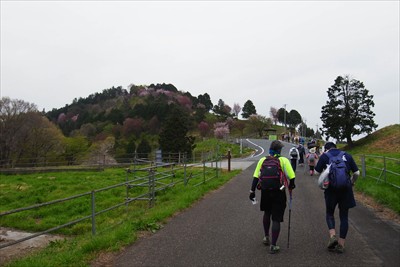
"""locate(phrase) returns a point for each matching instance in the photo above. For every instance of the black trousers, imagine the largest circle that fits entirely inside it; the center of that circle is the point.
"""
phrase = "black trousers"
(294, 163)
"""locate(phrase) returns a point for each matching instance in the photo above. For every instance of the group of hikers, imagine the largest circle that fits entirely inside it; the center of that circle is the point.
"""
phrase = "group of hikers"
(298, 153)
(275, 172)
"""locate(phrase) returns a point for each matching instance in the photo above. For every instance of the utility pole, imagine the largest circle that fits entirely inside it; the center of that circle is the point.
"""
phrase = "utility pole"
(284, 117)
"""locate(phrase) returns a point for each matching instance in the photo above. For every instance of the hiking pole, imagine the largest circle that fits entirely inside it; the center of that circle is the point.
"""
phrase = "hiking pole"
(290, 211)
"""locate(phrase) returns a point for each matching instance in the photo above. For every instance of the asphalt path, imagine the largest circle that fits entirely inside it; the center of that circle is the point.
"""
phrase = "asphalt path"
(225, 229)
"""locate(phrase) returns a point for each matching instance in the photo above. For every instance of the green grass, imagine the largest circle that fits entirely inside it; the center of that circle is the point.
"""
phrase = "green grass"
(212, 144)
(382, 143)
(382, 193)
(115, 229)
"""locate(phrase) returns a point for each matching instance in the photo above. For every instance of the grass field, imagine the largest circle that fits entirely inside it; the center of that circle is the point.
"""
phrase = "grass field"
(115, 228)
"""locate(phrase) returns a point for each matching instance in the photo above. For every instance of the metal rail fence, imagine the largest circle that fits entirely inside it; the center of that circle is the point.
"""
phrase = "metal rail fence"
(99, 162)
(381, 168)
(142, 183)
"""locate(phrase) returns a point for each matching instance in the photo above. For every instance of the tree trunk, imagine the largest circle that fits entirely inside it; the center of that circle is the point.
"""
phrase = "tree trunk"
(349, 141)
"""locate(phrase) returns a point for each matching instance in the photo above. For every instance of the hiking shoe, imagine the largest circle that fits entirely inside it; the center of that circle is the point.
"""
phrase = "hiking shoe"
(266, 241)
(339, 249)
(274, 249)
(333, 242)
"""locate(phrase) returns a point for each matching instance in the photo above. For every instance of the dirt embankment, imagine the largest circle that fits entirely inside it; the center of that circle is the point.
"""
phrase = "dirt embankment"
(24, 248)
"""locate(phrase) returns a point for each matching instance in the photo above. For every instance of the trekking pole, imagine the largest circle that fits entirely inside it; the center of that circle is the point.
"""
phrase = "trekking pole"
(290, 211)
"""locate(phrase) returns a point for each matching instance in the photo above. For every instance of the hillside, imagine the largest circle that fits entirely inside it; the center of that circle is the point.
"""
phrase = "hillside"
(383, 141)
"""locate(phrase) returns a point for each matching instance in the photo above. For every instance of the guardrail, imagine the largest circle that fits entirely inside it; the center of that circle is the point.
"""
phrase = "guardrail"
(381, 168)
(142, 183)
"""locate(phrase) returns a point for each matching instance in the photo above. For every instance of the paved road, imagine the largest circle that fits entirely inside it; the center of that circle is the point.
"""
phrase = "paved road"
(225, 229)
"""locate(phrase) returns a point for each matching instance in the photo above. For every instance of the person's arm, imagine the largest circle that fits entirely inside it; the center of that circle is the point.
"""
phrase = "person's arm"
(353, 167)
(287, 168)
(288, 171)
(254, 183)
(321, 163)
(354, 177)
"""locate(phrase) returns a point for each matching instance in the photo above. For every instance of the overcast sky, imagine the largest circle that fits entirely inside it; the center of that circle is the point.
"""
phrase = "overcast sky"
(270, 52)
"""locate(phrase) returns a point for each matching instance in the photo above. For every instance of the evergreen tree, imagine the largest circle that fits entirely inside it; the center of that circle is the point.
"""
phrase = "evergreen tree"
(222, 110)
(143, 149)
(248, 109)
(283, 116)
(206, 101)
(294, 118)
(348, 110)
(173, 136)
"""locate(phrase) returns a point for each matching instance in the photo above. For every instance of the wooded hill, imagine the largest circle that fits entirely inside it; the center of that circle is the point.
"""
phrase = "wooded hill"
(119, 122)
(133, 120)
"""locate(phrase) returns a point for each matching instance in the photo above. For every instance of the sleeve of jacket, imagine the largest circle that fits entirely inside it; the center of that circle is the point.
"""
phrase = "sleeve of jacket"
(352, 164)
(287, 168)
(256, 173)
(321, 164)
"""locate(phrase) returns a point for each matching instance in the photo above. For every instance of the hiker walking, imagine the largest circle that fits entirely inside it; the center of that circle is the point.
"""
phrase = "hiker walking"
(294, 154)
(271, 177)
(302, 153)
(311, 160)
(339, 191)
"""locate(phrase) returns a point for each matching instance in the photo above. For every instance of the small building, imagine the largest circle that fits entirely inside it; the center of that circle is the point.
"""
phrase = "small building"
(270, 134)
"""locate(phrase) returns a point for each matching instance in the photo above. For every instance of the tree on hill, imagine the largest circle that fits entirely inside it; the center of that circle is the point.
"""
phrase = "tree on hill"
(143, 149)
(283, 116)
(164, 86)
(248, 109)
(273, 112)
(221, 130)
(173, 137)
(203, 128)
(305, 131)
(206, 101)
(259, 123)
(236, 109)
(294, 118)
(222, 110)
(348, 110)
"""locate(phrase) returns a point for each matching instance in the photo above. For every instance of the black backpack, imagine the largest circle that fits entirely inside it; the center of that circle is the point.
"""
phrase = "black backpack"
(271, 174)
(293, 153)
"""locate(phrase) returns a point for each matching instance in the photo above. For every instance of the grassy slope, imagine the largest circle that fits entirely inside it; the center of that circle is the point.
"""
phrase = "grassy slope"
(384, 142)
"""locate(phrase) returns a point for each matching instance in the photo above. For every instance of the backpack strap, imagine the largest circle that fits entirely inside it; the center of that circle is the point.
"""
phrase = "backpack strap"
(338, 156)
(330, 156)
(284, 179)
